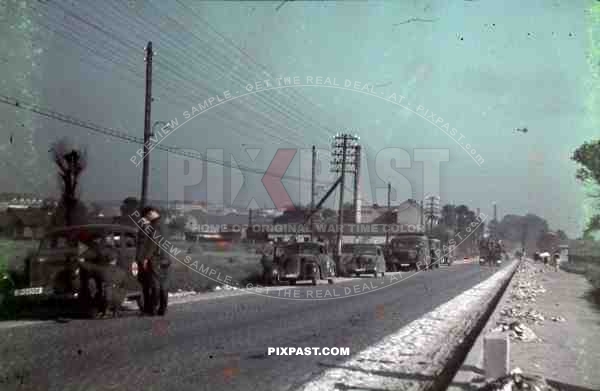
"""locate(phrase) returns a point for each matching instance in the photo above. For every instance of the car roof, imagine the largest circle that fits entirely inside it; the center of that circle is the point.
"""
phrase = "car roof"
(301, 244)
(94, 227)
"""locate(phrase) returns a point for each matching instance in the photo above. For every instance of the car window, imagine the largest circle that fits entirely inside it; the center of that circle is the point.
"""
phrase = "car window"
(107, 239)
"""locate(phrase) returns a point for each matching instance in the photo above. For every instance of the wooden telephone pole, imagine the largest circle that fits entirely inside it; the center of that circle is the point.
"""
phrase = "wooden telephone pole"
(147, 125)
(344, 146)
(313, 194)
(147, 133)
(389, 212)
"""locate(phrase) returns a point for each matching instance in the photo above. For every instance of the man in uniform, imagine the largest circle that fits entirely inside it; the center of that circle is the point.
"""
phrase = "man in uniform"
(155, 264)
(266, 261)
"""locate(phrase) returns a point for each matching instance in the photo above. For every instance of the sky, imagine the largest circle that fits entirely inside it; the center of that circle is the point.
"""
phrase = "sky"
(477, 69)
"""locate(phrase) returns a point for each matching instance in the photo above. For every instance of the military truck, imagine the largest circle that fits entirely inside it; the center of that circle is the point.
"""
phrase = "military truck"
(408, 252)
(490, 251)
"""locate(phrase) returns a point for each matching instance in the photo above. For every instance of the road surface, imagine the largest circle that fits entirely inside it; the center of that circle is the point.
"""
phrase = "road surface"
(220, 344)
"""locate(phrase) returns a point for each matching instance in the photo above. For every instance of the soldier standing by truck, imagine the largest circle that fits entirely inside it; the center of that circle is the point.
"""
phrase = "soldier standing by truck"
(155, 265)
(267, 261)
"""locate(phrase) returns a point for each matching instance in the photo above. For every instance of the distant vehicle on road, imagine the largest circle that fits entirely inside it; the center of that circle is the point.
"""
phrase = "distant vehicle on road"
(490, 250)
(408, 252)
(93, 265)
(304, 261)
(363, 259)
(435, 250)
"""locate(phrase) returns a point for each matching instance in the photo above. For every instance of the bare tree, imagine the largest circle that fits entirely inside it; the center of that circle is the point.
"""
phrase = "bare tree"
(70, 162)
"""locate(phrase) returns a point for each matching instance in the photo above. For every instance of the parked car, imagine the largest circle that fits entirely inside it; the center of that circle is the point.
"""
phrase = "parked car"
(408, 252)
(93, 265)
(304, 261)
(363, 259)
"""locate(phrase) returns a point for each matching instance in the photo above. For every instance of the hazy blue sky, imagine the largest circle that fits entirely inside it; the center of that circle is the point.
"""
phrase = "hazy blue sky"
(484, 67)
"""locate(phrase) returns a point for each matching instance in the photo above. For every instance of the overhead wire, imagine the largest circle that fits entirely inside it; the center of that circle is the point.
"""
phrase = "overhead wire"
(208, 55)
(122, 135)
(243, 52)
(110, 34)
(130, 45)
(116, 62)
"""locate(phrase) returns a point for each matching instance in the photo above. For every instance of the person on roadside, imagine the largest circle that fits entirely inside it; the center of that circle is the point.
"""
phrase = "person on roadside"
(155, 264)
(556, 262)
(267, 261)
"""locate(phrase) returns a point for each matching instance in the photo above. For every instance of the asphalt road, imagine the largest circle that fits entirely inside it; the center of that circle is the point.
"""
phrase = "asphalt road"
(221, 344)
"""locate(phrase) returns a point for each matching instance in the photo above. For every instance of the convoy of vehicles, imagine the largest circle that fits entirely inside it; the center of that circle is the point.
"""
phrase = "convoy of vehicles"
(93, 265)
(303, 261)
(363, 259)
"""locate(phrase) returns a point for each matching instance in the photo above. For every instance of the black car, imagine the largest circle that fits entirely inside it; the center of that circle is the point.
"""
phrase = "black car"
(93, 265)
(306, 261)
(363, 259)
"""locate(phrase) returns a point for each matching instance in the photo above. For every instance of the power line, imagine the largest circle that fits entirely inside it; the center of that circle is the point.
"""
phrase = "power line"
(131, 46)
(132, 139)
(210, 56)
(240, 50)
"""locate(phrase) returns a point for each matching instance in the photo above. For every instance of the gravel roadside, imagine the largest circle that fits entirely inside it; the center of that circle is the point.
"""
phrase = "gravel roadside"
(553, 330)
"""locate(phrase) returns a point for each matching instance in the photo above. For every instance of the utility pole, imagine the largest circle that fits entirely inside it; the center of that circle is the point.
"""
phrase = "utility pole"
(389, 212)
(432, 211)
(344, 147)
(356, 183)
(147, 125)
(312, 189)
(422, 214)
(147, 133)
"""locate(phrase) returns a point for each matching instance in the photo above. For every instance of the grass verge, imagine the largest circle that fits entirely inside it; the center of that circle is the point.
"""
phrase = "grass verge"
(591, 271)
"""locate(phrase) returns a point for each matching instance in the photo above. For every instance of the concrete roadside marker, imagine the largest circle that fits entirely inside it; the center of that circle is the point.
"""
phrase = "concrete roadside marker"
(496, 355)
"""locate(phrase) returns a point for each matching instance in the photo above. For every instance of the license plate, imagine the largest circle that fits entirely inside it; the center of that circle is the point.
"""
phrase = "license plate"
(405, 264)
(29, 291)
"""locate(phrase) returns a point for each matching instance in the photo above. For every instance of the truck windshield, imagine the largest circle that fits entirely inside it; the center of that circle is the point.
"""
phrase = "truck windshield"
(405, 243)
(358, 249)
(302, 249)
